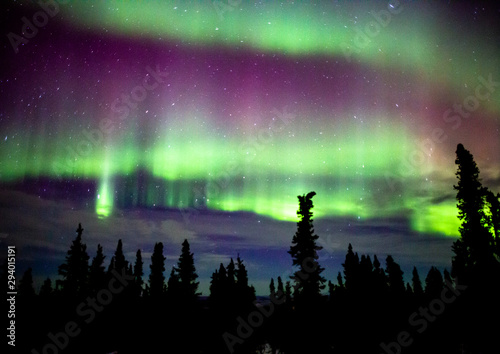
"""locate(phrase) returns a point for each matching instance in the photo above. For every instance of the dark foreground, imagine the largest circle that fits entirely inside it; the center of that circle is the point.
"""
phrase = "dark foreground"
(459, 319)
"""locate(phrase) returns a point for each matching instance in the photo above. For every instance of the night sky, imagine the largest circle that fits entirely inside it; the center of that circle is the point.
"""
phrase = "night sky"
(162, 121)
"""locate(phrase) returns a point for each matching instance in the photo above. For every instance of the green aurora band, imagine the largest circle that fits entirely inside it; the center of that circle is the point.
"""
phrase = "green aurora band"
(357, 31)
(261, 169)
(258, 172)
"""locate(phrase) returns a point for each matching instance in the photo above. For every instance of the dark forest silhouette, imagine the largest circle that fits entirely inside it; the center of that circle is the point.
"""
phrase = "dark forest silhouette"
(367, 309)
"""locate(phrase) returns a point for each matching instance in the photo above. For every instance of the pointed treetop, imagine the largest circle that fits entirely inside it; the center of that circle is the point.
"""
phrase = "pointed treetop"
(80, 229)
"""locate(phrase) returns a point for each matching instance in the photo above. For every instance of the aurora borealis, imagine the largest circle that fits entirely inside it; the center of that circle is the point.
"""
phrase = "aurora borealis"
(159, 121)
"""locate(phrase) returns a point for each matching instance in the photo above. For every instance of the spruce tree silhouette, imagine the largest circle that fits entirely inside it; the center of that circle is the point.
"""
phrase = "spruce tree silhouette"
(340, 282)
(223, 282)
(474, 250)
(418, 291)
(97, 274)
(475, 262)
(351, 270)
(229, 298)
(244, 292)
(380, 278)
(272, 288)
(215, 290)
(304, 252)
(156, 276)
(493, 202)
(182, 300)
(280, 289)
(308, 281)
(75, 270)
(188, 286)
(121, 264)
(231, 269)
(138, 273)
(394, 277)
(241, 273)
(331, 290)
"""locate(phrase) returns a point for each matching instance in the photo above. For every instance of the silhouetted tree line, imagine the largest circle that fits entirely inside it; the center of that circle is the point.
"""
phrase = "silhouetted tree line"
(369, 308)
(229, 289)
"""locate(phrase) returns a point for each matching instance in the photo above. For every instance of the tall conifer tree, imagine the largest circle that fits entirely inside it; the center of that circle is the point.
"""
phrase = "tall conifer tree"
(304, 252)
(474, 249)
(75, 270)
(138, 273)
(97, 274)
(156, 276)
(416, 283)
(188, 286)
